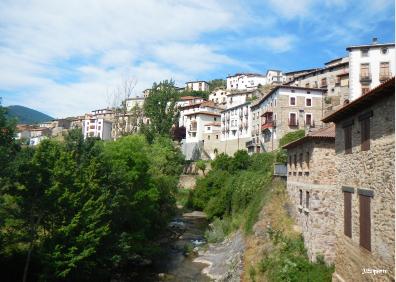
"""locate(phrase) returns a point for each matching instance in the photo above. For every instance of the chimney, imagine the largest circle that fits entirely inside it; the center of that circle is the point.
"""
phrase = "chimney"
(375, 41)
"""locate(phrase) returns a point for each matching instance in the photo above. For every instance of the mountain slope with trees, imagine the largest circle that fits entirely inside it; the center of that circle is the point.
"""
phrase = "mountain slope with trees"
(27, 115)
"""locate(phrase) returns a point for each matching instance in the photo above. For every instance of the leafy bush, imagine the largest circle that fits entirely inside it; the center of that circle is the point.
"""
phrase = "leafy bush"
(291, 136)
(289, 261)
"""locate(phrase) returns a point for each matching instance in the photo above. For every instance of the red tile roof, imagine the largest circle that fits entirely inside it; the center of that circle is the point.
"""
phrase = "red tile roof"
(322, 133)
(213, 124)
(189, 98)
(203, 113)
(385, 89)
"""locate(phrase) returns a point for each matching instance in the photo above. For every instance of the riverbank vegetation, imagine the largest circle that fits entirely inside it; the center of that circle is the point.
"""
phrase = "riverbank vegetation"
(83, 210)
(240, 193)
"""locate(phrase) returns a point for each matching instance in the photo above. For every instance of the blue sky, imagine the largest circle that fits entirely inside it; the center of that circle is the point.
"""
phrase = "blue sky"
(70, 57)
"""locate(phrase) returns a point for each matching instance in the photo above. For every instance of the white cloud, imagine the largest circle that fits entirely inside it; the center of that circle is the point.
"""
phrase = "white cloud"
(100, 42)
(275, 44)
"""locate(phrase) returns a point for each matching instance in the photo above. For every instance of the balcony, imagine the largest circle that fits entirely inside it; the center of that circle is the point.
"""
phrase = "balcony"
(268, 124)
(365, 77)
(384, 76)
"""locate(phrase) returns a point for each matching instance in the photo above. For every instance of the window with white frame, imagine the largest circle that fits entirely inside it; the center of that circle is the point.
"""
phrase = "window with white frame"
(308, 119)
(292, 101)
(308, 102)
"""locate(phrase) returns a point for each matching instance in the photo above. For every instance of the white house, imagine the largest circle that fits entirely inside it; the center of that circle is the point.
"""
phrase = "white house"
(96, 127)
(133, 102)
(219, 96)
(236, 127)
(195, 124)
(197, 85)
(369, 66)
(275, 77)
(245, 81)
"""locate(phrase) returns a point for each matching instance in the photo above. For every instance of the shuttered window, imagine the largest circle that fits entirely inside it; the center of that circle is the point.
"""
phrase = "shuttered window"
(307, 200)
(301, 197)
(365, 134)
(348, 139)
(365, 222)
(348, 214)
(295, 161)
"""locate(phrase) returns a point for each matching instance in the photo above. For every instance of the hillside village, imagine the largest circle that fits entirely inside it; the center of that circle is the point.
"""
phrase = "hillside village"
(340, 175)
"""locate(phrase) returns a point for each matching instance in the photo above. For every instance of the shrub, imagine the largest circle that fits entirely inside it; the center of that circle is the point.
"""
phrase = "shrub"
(291, 136)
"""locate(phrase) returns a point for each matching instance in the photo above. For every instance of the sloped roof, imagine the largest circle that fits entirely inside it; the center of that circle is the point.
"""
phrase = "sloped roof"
(189, 98)
(213, 124)
(385, 89)
(323, 133)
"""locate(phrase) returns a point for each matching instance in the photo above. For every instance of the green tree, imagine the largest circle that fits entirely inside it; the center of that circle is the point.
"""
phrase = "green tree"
(8, 146)
(201, 165)
(281, 154)
(160, 107)
(217, 83)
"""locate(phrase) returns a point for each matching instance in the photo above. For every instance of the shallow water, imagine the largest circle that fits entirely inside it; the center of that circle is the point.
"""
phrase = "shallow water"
(173, 263)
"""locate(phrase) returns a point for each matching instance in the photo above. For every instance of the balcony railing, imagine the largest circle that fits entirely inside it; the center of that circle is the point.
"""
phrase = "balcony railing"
(384, 76)
(365, 77)
(268, 124)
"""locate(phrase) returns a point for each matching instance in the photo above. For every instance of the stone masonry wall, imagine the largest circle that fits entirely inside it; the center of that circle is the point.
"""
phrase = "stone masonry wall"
(317, 220)
(317, 165)
(372, 170)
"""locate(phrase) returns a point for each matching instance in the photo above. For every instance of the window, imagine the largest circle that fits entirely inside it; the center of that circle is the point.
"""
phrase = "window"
(308, 102)
(301, 197)
(308, 119)
(292, 101)
(215, 119)
(365, 130)
(307, 158)
(217, 136)
(364, 71)
(307, 200)
(348, 214)
(301, 159)
(208, 137)
(323, 82)
(290, 161)
(208, 128)
(384, 71)
(292, 119)
(384, 51)
(348, 139)
(307, 85)
(364, 222)
(275, 103)
(295, 161)
(365, 52)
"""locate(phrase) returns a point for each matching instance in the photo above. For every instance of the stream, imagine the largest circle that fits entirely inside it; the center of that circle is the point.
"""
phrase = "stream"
(174, 264)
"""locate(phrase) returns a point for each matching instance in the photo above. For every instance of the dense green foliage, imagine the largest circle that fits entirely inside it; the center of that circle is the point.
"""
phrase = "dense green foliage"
(160, 107)
(281, 154)
(84, 210)
(27, 115)
(232, 187)
(195, 93)
(217, 83)
(288, 261)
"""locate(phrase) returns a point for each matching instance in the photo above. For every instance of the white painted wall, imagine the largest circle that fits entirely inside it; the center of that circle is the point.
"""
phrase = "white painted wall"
(197, 85)
(97, 127)
(232, 119)
(374, 58)
(245, 81)
(218, 96)
(201, 119)
(132, 102)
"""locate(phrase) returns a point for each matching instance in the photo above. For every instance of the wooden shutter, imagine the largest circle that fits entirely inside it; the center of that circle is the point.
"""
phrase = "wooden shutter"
(348, 214)
(301, 196)
(365, 222)
(348, 139)
(365, 134)
(307, 200)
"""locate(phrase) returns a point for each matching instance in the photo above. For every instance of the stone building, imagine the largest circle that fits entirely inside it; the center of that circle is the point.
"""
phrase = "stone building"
(334, 78)
(365, 154)
(312, 191)
(284, 109)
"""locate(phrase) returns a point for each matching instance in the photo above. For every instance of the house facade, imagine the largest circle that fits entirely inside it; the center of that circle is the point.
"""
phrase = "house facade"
(96, 127)
(334, 78)
(219, 96)
(370, 65)
(284, 109)
(365, 154)
(134, 102)
(312, 191)
(275, 77)
(245, 81)
(197, 86)
(236, 127)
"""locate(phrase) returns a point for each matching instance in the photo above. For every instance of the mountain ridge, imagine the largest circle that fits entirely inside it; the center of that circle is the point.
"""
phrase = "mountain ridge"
(27, 115)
